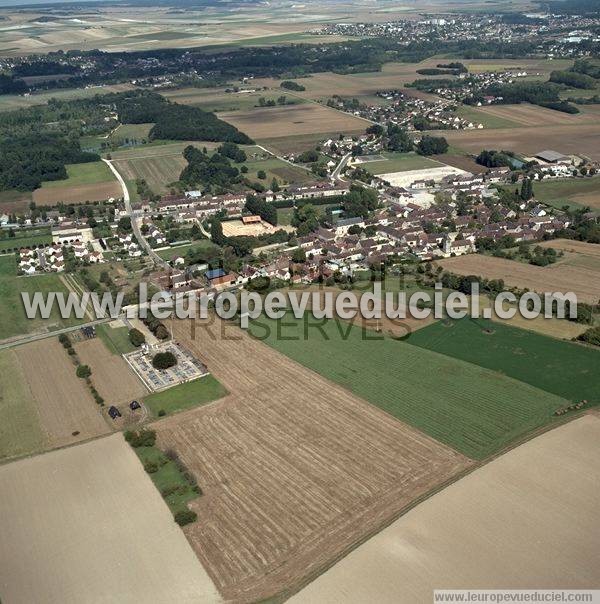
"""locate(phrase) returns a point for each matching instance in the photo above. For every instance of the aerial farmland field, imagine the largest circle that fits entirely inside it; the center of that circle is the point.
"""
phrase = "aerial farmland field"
(579, 138)
(218, 100)
(67, 411)
(515, 513)
(112, 376)
(86, 524)
(566, 369)
(281, 463)
(399, 162)
(474, 410)
(20, 429)
(281, 122)
(584, 281)
(158, 171)
(581, 191)
(86, 182)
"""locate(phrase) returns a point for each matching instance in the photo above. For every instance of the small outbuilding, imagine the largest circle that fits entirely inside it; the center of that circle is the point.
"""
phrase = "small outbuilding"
(114, 412)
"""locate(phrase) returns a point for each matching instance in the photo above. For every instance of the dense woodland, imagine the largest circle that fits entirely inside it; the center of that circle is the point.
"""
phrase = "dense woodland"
(28, 160)
(37, 142)
(173, 121)
(209, 172)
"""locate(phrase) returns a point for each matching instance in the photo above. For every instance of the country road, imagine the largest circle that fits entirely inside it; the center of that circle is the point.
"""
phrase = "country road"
(134, 223)
(18, 341)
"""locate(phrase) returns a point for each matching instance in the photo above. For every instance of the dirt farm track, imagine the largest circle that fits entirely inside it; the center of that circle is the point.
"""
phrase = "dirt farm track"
(294, 470)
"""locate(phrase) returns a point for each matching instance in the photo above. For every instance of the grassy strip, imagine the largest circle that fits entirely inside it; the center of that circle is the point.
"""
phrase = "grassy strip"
(115, 339)
(185, 396)
(176, 484)
(20, 429)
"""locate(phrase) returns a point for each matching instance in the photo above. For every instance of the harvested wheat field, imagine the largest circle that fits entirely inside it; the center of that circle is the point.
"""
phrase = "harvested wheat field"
(533, 115)
(66, 409)
(534, 508)
(86, 524)
(576, 247)
(291, 120)
(78, 193)
(111, 375)
(295, 470)
(569, 139)
(559, 277)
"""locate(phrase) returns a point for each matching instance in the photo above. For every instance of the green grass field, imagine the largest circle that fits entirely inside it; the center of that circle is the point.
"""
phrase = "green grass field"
(20, 431)
(275, 168)
(10, 102)
(13, 321)
(130, 132)
(561, 191)
(563, 368)
(399, 162)
(470, 408)
(182, 250)
(83, 174)
(116, 339)
(159, 149)
(168, 479)
(191, 394)
(482, 117)
(24, 238)
(217, 100)
(158, 171)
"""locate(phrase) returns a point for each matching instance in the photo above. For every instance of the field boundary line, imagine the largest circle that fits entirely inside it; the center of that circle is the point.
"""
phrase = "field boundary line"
(286, 594)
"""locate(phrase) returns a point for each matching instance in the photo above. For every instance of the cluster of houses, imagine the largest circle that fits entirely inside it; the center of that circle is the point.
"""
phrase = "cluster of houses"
(441, 27)
(472, 83)
(544, 28)
(128, 244)
(193, 207)
(51, 258)
(440, 231)
(402, 110)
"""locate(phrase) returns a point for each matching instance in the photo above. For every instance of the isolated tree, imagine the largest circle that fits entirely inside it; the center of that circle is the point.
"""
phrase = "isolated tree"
(299, 255)
(136, 337)
(124, 224)
(164, 360)
(183, 517)
(83, 371)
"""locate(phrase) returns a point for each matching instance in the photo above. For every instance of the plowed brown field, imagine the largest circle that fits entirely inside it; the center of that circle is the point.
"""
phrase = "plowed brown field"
(67, 411)
(295, 470)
